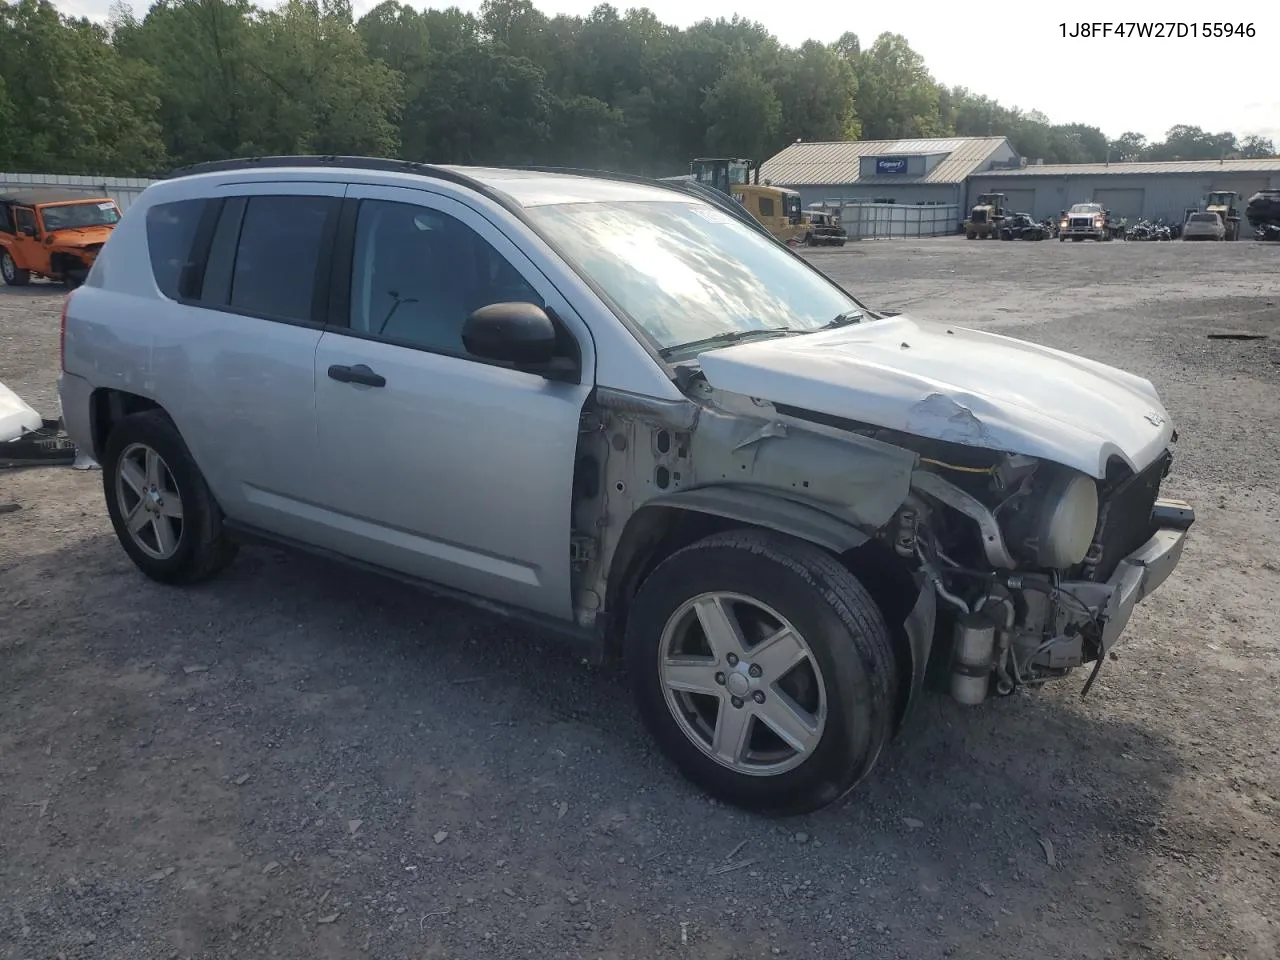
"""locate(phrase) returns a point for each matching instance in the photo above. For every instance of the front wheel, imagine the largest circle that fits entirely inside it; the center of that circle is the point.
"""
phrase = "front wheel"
(13, 275)
(763, 669)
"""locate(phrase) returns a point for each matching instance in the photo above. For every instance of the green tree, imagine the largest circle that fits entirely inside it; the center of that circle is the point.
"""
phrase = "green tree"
(897, 98)
(743, 113)
(1256, 147)
(72, 103)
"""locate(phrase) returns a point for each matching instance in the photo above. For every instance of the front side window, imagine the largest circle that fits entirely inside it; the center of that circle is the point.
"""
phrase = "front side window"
(282, 239)
(417, 274)
(69, 216)
(24, 217)
(684, 271)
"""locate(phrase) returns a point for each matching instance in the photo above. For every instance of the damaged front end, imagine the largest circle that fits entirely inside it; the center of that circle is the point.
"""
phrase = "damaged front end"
(993, 570)
(1040, 565)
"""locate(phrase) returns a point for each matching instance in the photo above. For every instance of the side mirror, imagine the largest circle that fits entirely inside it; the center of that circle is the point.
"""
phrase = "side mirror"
(518, 333)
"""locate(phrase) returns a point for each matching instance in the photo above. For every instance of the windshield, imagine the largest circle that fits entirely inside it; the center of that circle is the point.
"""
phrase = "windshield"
(1204, 218)
(1087, 208)
(97, 213)
(684, 272)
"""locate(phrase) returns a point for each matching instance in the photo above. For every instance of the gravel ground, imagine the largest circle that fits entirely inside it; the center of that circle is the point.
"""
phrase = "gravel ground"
(300, 761)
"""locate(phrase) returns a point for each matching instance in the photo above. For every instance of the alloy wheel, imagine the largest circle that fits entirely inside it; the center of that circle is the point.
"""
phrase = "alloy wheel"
(742, 683)
(149, 501)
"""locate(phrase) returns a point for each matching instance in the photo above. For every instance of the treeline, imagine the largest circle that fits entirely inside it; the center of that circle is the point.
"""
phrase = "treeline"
(198, 80)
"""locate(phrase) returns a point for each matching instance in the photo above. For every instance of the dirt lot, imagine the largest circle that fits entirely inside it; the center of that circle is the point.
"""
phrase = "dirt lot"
(297, 761)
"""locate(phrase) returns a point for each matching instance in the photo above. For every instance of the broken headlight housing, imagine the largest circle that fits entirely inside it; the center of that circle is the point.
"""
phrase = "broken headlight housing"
(1054, 524)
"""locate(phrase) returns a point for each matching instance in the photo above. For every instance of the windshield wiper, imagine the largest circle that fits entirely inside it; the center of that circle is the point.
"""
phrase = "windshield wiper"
(844, 319)
(723, 339)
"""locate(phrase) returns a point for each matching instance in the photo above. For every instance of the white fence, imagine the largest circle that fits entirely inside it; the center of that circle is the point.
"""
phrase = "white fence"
(869, 221)
(124, 190)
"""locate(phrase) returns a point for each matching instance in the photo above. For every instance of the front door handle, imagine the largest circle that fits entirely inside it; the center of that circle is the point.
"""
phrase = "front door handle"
(357, 374)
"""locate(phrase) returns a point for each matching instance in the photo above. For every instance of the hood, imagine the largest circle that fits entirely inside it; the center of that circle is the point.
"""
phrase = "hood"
(964, 386)
(81, 236)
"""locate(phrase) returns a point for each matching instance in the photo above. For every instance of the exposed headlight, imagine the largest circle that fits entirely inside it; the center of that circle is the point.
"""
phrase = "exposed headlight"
(1065, 520)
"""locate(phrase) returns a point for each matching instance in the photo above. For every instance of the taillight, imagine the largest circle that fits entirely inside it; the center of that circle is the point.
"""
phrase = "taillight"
(62, 333)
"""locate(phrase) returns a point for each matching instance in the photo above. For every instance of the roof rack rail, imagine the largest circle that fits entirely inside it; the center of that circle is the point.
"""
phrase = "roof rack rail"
(383, 164)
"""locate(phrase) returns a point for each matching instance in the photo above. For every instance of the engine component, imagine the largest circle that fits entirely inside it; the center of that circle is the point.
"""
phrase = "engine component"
(975, 641)
(992, 537)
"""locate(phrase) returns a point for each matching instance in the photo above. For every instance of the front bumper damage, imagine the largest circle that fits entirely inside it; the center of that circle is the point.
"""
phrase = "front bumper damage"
(1028, 629)
(1138, 575)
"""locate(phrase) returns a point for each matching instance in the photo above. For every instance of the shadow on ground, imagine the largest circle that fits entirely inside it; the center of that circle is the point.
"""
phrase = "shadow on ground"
(310, 760)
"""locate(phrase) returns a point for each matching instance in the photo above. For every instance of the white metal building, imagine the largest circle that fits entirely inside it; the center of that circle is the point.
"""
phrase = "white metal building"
(123, 190)
(1134, 190)
(896, 171)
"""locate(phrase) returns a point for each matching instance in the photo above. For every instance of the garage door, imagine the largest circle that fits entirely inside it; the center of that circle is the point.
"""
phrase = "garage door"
(1121, 203)
(1022, 201)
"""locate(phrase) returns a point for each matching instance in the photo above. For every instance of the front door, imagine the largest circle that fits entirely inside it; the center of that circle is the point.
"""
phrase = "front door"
(435, 463)
(28, 253)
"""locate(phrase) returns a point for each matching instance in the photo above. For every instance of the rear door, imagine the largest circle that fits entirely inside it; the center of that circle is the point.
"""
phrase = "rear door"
(441, 465)
(235, 360)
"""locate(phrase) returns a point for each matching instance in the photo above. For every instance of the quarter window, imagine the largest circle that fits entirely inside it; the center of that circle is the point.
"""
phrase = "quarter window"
(417, 274)
(171, 231)
(281, 242)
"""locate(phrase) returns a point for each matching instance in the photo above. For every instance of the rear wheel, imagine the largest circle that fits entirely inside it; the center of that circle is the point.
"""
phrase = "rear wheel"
(161, 509)
(13, 275)
(763, 669)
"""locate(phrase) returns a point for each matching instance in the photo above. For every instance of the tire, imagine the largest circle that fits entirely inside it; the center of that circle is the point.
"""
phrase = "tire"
(971, 235)
(849, 663)
(198, 546)
(11, 273)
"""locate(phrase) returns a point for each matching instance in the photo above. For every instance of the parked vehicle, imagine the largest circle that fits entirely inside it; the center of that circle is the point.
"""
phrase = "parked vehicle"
(1021, 226)
(1263, 213)
(712, 462)
(1085, 221)
(1226, 204)
(986, 216)
(53, 234)
(776, 208)
(1204, 226)
(823, 229)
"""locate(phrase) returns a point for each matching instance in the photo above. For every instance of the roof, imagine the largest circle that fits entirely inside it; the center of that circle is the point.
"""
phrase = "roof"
(31, 198)
(836, 162)
(535, 188)
(1270, 165)
(525, 187)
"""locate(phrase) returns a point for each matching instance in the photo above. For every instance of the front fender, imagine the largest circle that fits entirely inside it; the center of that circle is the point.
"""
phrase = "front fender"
(763, 509)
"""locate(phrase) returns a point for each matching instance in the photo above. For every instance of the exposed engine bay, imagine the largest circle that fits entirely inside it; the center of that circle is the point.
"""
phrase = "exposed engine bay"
(1025, 554)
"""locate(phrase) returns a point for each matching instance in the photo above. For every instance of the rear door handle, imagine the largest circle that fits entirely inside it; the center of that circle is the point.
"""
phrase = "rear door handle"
(357, 374)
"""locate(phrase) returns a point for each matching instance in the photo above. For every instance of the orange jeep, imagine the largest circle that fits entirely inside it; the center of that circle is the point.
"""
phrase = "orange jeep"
(52, 233)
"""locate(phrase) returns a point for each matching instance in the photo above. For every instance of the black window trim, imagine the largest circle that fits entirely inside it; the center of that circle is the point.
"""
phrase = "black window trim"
(339, 298)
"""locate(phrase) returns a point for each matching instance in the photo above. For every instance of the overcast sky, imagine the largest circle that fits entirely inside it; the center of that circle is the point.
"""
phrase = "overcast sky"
(1015, 53)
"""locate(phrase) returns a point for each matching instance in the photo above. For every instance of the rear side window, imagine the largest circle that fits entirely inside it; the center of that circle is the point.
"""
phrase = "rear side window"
(171, 232)
(283, 240)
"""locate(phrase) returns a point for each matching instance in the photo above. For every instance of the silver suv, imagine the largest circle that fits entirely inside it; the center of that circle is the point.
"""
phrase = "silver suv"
(616, 408)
